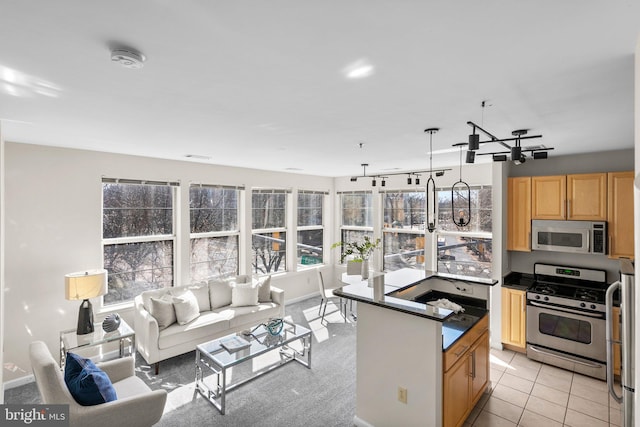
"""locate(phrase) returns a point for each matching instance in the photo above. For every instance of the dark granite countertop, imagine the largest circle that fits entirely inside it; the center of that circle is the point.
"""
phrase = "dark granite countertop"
(397, 291)
(520, 281)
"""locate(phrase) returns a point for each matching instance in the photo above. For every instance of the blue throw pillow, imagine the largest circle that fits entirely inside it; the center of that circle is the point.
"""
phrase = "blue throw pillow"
(88, 384)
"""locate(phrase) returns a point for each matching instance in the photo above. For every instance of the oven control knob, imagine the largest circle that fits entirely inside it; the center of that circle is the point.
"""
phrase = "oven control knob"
(546, 298)
(537, 296)
(583, 305)
(593, 306)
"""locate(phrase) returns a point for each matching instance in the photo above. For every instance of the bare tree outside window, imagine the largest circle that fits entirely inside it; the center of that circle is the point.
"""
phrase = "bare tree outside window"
(269, 229)
(214, 231)
(138, 238)
(356, 213)
(310, 230)
(466, 251)
(403, 230)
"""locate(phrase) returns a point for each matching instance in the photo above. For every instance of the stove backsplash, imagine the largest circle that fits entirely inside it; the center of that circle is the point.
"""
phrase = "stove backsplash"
(524, 262)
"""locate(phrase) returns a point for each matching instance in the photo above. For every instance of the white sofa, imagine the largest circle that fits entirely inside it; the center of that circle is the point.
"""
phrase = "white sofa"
(216, 319)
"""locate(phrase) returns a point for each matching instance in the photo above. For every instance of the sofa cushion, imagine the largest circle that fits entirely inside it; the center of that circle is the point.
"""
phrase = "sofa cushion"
(264, 289)
(220, 293)
(201, 292)
(254, 314)
(199, 330)
(88, 384)
(244, 294)
(186, 306)
(163, 311)
(156, 293)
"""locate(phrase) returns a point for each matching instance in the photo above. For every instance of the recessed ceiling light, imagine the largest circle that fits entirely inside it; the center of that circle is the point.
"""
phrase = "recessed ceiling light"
(359, 69)
(197, 156)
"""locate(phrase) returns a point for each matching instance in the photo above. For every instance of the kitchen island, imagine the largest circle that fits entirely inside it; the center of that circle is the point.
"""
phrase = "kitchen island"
(404, 346)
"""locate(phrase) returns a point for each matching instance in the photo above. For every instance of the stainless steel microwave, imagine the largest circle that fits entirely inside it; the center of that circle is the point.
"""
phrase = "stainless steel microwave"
(584, 237)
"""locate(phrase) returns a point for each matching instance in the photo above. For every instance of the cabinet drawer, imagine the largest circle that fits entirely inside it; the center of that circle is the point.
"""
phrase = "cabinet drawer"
(460, 348)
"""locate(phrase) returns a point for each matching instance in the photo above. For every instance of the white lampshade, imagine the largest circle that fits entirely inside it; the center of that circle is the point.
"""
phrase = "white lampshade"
(85, 284)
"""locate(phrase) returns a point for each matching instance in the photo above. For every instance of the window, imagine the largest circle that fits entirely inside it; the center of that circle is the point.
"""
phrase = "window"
(466, 251)
(269, 231)
(403, 229)
(138, 235)
(310, 228)
(356, 216)
(213, 212)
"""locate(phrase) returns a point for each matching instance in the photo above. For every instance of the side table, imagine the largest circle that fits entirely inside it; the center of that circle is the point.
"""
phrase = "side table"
(70, 341)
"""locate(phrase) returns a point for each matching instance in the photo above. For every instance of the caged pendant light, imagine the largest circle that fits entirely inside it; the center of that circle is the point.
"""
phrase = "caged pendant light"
(461, 211)
(431, 185)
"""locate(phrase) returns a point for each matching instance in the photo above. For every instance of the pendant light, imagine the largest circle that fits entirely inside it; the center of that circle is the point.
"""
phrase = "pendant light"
(460, 213)
(431, 185)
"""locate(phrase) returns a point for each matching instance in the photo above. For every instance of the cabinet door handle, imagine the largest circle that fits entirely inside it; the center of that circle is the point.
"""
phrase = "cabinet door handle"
(524, 304)
(473, 364)
(462, 350)
(568, 208)
(529, 241)
(610, 245)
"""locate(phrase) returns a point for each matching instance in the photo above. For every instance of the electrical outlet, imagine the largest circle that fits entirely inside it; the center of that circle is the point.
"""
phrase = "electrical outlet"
(402, 395)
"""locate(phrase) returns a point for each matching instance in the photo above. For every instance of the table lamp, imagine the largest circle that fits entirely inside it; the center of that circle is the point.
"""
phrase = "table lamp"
(82, 286)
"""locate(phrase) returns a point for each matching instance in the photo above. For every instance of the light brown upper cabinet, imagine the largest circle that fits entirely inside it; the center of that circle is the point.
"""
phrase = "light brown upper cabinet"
(570, 197)
(519, 214)
(620, 214)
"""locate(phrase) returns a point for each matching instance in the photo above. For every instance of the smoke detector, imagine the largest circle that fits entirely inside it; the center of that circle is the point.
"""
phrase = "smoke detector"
(128, 58)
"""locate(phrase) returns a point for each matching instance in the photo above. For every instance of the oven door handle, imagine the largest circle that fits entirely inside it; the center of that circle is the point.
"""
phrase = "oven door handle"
(567, 310)
(567, 358)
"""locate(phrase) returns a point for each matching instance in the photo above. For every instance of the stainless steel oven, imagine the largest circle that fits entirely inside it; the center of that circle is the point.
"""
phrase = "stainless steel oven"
(566, 319)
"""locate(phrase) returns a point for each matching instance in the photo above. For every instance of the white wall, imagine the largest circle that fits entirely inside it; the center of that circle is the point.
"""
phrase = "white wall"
(1, 266)
(53, 227)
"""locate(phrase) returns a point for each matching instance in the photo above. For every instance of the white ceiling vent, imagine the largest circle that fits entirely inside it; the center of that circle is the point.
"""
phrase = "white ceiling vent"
(128, 58)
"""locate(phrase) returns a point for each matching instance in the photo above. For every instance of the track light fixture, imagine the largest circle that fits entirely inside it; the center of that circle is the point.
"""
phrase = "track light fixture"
(373, 182)
(417, 180)
(474, 140)
(383, 183)
(409, 180)
(540, 154)
(499, 157)
(471, 156)
(354, 178)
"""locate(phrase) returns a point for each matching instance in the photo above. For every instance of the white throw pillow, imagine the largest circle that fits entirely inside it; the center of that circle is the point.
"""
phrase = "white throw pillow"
(162, 310)
(244, 294)
(220, 293)
(186, 306)
(201, 292)
(264, 288)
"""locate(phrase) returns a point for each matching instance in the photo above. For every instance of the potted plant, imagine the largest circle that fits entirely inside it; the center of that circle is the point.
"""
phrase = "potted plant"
(360, 250)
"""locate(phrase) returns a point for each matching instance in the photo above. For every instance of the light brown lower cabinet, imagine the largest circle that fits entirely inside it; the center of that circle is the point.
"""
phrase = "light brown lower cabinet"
(465, 381)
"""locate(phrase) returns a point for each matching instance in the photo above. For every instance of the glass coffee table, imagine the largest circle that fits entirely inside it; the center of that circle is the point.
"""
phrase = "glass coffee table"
(214, 362)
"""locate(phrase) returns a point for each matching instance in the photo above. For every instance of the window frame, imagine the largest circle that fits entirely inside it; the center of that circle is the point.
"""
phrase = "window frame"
(487, 235)
(358, 228)
(392, 230)
(270, 230)
(113, 241)
(216, 234)
(324, 194)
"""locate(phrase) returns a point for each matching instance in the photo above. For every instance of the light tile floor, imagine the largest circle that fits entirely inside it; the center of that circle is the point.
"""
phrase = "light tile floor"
(531, 394)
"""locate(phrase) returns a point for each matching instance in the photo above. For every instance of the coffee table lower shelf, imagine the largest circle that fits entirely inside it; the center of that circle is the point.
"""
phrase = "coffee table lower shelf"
(213, 359)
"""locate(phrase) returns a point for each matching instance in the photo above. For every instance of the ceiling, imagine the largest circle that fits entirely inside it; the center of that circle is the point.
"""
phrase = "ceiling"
(262, 84)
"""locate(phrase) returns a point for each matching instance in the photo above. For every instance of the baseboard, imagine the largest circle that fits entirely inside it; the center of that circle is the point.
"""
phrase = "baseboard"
(359, 422)
(302, 298)
(8, 385)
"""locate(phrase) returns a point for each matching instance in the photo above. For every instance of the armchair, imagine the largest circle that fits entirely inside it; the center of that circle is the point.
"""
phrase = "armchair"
(137, 404)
